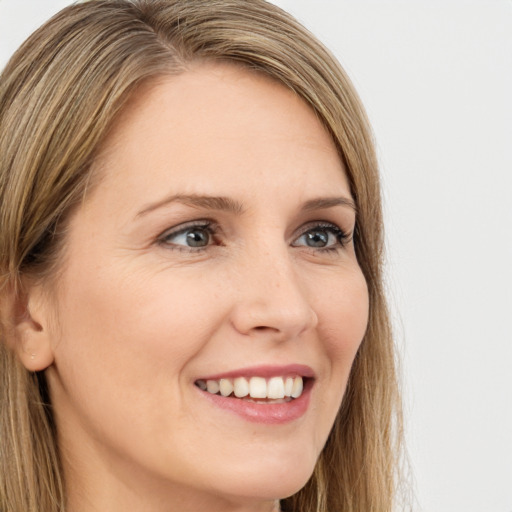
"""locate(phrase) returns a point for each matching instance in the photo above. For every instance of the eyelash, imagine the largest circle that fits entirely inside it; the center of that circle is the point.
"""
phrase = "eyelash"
(341, 236)
(213, 230)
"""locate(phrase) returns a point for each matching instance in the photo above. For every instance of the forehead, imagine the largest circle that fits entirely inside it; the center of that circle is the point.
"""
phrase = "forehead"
(219, 125)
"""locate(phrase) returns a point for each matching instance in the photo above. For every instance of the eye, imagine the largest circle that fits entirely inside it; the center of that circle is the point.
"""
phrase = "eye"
(322, 236)
(192, 236)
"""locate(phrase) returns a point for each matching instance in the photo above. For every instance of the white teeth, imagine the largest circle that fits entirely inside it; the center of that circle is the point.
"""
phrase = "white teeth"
(297, 387)
(212, 386)
(241, 387)
(276, 388)
(288, 386)
(225, 387)
(258, 387)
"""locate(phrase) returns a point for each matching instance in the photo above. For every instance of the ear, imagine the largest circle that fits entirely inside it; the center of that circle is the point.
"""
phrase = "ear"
(28, 322)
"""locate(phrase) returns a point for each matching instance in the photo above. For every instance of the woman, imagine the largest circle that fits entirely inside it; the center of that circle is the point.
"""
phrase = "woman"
(192, 306)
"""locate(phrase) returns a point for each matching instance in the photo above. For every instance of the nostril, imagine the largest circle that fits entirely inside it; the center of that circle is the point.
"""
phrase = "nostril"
(265, 328)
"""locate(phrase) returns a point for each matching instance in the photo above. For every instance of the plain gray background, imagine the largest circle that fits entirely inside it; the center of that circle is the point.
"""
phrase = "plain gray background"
(436, 78)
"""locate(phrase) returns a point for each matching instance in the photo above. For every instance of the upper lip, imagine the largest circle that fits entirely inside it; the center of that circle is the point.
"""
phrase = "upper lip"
(266, 371)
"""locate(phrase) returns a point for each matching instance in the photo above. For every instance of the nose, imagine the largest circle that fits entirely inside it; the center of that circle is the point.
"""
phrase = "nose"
(272, 300)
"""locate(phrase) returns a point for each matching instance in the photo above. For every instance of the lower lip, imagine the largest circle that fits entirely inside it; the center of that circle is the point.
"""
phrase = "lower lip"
(269, 413)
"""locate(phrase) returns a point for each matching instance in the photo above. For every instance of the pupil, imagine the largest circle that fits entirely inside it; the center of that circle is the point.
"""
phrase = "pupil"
(317, 239)
(198, 238)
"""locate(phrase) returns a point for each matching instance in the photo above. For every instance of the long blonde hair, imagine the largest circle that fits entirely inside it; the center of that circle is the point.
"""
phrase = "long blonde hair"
(59, 95)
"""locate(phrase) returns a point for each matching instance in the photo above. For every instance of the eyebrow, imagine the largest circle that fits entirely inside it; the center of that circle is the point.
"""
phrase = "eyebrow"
(231, 206)
(208, 202)
(322, 203)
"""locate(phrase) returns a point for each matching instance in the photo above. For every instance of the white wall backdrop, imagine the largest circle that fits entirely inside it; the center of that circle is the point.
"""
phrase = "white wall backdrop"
(436, 78)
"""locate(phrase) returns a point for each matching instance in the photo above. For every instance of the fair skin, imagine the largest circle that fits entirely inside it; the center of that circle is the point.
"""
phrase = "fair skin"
(162, 287)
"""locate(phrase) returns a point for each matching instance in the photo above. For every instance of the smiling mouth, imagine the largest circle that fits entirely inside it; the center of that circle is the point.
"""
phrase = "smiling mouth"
(256, 389)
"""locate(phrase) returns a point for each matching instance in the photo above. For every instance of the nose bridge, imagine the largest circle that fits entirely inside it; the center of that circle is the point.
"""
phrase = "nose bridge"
(272, 298)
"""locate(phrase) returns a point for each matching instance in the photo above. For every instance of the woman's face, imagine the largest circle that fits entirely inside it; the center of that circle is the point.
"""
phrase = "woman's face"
(216, 251)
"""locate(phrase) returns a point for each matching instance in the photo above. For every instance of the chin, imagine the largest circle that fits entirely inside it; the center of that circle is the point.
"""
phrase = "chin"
(271, 481)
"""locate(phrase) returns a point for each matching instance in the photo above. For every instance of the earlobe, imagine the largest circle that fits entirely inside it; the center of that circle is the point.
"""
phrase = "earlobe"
(33, 346)
(29, 335)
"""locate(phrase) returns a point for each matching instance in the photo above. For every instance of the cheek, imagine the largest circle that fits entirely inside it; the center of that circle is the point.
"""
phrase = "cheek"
(343, 317)
(126, 331)
(127, 318)
(124, 345)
